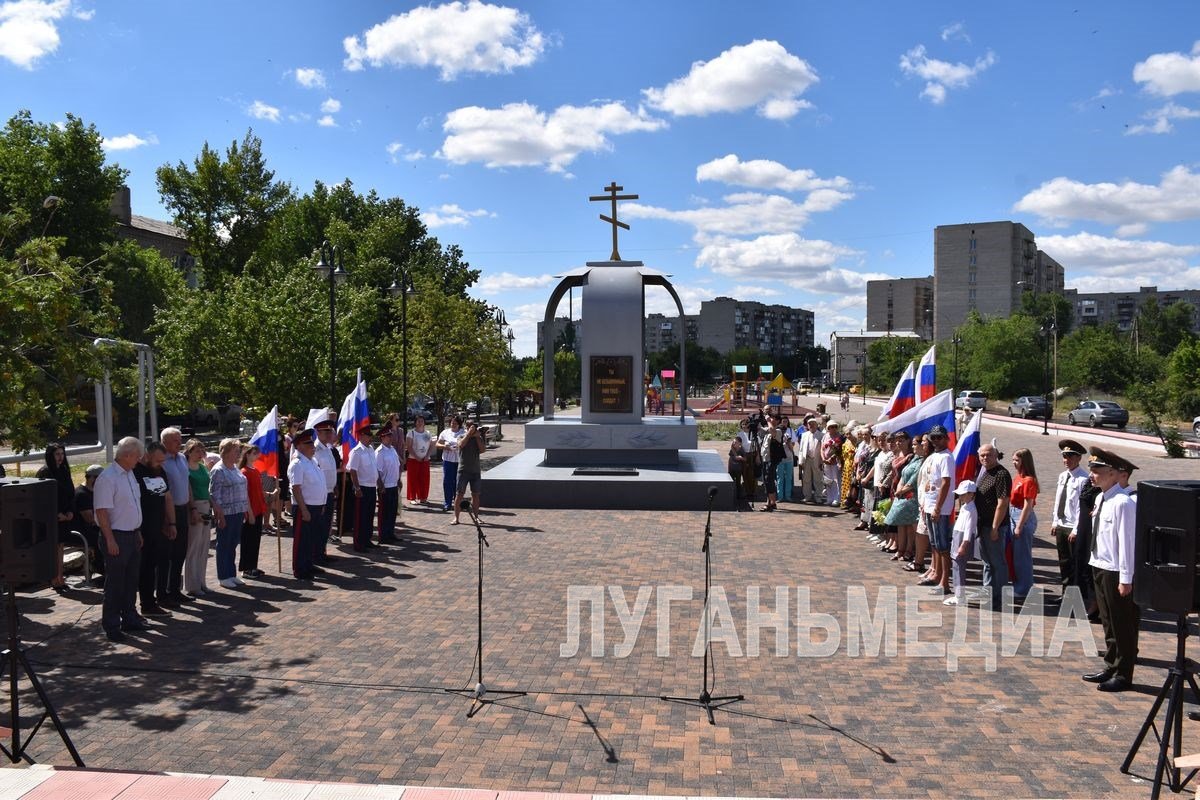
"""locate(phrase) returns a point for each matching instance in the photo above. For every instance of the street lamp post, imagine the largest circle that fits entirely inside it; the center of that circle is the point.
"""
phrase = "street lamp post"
(956, 341)
(402, 290)
(1049, 329)
(329, 265)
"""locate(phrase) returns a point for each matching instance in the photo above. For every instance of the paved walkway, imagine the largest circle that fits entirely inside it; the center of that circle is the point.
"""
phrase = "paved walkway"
(342, 680)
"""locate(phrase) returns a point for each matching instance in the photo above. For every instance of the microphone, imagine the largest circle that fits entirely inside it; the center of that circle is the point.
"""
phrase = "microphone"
(712, 492)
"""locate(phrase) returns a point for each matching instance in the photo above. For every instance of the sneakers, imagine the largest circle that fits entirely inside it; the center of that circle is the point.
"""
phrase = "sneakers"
(229, 583)
(950, 601)
(238, 581)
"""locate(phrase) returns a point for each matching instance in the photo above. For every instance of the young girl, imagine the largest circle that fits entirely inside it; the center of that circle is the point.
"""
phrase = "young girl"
(1024, 521)
(964, 536)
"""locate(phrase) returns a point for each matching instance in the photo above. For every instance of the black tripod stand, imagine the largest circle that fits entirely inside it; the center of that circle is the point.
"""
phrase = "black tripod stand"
(478, 694)
(1172, 726)
(14, 660)
(706, 700)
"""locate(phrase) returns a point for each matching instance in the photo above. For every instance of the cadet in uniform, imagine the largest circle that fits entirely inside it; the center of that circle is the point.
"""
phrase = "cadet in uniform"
(308, 498)
(325, 458)
(388, 462)
(364, 473)
(1065, 511)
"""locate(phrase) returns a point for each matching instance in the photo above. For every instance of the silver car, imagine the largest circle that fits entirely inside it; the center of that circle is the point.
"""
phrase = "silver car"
(1097, 413)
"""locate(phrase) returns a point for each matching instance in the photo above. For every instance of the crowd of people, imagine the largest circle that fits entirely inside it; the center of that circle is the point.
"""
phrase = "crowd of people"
(149, 518)
(902, 494)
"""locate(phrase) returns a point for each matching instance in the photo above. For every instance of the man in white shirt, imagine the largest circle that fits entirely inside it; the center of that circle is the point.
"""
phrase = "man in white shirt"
(938, 506)
(1066, 506)
(324, 458)
(812, 482)
(1114, 524)
(364, 475)
(388, 461)
(117, 505)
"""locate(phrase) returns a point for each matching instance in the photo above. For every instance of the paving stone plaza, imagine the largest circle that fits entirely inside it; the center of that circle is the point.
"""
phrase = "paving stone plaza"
(343, 680)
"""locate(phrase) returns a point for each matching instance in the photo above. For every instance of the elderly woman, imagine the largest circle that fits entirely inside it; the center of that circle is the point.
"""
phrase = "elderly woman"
(850, 445)
(231, 510)
(1024, 522)
(419, 444)
(831, 462)
(195, 562)
(903, 513)
(864, 473)
(252, 530)
(57, 470)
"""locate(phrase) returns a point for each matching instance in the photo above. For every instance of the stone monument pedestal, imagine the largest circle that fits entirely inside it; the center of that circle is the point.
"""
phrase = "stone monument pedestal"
(650, 440)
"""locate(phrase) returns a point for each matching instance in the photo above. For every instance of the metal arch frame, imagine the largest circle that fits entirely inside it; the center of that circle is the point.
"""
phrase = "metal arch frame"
(570, 282)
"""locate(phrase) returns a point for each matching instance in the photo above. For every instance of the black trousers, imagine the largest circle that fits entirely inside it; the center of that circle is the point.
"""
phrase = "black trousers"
(177, 551)
(364, 518)
(388, 506)
(1081, 553)
(323, 520)
(122, 573)
(152, 573)
(1120, 617)
(1066, 559)
(251, 542)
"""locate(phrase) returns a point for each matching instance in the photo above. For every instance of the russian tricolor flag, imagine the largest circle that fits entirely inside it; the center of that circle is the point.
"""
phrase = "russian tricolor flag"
(266, 439)
(355, 413)
(966, 452)
(927, 376)
(937, 410)
(904, 396)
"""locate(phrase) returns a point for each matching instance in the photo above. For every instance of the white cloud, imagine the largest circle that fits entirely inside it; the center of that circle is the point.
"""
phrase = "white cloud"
(755, 292)
(1162, 118)
(745, 213)
(955, 30)
(260, 110)
(331, 106)
(1117, 258)
(309, 77)
(940, 76)
(455, 38)
(659, 301)
(769, 175)
(1169, 74)
(1175, 198)
(519, 135)
(327, 121)
(129, 141)
(29, 29)
(510, 281)
(808, 264)
(397, 152)
(84, 14)
(761, 74)
(1132, 229)
(1132, 281)
(451, 215)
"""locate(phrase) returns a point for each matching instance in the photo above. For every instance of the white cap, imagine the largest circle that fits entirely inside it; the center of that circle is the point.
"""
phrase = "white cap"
(316, 415)
(964, 487)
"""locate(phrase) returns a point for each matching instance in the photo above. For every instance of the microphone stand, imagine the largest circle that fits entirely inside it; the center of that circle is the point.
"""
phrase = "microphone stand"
(706, 700)
(478, 694)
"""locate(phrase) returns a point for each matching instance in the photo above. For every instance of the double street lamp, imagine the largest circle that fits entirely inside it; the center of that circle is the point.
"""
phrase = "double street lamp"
(1049, 333)
(402, 289)
(329, 265)
(956, 341)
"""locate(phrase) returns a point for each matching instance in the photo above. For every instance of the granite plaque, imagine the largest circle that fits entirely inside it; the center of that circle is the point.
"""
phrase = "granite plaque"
(612, 384)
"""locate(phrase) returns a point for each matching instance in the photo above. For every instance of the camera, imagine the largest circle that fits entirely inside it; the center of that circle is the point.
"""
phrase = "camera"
(756, 422)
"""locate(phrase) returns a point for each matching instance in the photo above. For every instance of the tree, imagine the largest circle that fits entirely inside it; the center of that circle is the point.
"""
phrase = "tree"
(142, 281)
(568, 375)
(1162, 328)
(47, 328)
(1047, 305)
(566, 339)
(224, 206)
(1092, 357)
(1002, 357)
(66, 161)
(1183, 379)
(887, 359)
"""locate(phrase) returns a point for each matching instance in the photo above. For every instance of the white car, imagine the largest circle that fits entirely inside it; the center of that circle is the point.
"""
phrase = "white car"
(971, 399)
(1196, 426)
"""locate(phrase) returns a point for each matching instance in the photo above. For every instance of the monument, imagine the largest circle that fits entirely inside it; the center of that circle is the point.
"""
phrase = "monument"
(612, 455)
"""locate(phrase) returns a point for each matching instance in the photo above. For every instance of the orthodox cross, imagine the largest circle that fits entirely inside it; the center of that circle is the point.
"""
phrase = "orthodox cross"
(613, 197)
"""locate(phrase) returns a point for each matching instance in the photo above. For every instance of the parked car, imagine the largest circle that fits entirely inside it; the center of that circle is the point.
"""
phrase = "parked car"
(969, 398)
(222, 417)
(1097, 413)
(1196, 426)
(1029, 406)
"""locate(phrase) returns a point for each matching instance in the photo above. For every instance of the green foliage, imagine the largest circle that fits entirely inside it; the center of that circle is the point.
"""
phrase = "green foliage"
(224, 206)
(142, 283)
(568, 375)
(887, 359)
(704, 364)
(1002, 357)
(1095, 358)
(1163, 328)
(1183, 379)
(48, 330)
(1151, 399)
(717, 431)
(529, 370)
(38, 160)
(1045, 305)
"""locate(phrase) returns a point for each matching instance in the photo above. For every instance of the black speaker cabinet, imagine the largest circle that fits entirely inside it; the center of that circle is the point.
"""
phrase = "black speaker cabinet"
(28, 530)
(1165, 576)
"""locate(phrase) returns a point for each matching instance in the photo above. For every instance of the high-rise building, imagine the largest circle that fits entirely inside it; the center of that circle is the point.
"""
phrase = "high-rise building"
(1121, 308)
(986, 267)
(660, 332)
(901, 304)
(848, 353)
(727, 324)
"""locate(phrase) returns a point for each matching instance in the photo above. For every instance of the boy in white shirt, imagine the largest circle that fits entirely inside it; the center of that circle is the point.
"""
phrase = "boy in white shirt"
(963, 544)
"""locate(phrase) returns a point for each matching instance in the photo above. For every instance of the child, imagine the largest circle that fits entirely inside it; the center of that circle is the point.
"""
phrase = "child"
(735, 465)
(961, 547)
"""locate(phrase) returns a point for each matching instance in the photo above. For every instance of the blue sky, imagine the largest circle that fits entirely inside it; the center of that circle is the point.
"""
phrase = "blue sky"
(785, 152)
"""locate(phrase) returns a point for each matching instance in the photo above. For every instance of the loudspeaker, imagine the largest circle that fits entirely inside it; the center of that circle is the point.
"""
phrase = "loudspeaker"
(1165, 553)
(28, 530)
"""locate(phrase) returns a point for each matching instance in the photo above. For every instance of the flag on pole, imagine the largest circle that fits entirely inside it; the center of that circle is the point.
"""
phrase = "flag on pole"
(355, 413)
(266, 439)
(927, 376)
(937, 410)
(904, 396)
(966, 452)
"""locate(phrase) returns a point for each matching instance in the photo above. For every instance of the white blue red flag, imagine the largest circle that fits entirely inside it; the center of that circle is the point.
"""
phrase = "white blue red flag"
(904, 396)
(966, 452)
(920, 419)
(354, 414)
(266, 439)
(927, 376)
